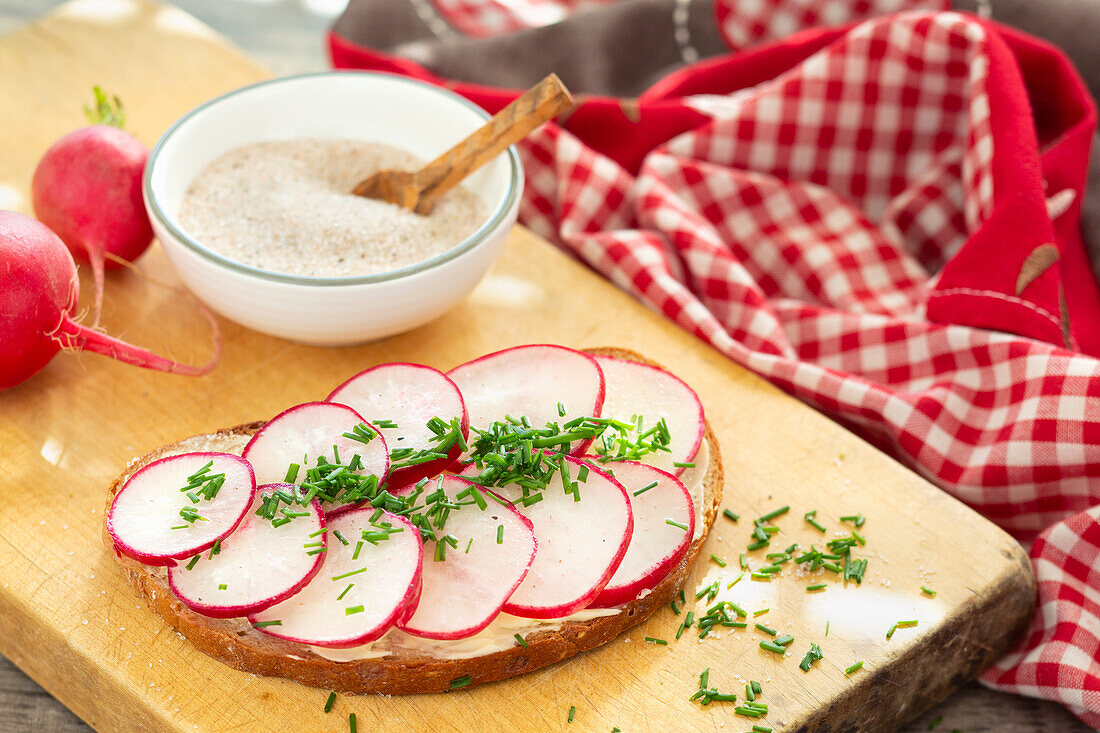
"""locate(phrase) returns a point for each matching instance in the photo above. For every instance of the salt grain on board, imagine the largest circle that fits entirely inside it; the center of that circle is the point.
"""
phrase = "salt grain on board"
(287, 207)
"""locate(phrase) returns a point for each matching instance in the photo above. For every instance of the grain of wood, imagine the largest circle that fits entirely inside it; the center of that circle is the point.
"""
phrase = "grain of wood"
(122, 669)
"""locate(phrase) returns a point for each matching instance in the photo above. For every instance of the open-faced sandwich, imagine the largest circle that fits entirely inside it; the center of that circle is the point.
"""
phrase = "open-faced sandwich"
(420, 531)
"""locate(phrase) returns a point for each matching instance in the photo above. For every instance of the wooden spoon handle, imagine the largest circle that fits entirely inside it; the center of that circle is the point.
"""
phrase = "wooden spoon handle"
(538, 104)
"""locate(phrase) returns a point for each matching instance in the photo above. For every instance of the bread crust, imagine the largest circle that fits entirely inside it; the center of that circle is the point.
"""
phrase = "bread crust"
(236, 643)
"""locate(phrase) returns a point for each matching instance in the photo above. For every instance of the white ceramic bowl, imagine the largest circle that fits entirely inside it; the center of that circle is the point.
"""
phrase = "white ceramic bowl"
(420, 118)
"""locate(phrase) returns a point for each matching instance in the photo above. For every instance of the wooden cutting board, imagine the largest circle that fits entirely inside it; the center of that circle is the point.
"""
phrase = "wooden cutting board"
(69, 620)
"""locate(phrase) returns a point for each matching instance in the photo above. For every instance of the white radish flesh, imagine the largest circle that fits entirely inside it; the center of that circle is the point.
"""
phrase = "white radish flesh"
(463, 592)
(580, 543)
(147, 507)
(531, 381)
(257, 565)
(409, 395)
(651, 392)
(310, 431)
(384, 580)
(655, 545)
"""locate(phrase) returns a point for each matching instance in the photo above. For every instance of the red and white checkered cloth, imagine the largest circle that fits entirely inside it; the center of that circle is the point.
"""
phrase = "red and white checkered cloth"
(845, 227)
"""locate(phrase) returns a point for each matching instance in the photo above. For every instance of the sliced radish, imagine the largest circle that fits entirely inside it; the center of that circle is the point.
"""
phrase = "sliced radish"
(145, 520)
(580, 543)
(309, 431)
(653, 393)
(466, 590)
(655, 545)
(256, 566)
(361, 591)
(409, 395)
(531, 381)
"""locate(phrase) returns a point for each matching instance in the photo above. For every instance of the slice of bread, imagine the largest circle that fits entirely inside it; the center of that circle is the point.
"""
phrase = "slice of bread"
(404, 671)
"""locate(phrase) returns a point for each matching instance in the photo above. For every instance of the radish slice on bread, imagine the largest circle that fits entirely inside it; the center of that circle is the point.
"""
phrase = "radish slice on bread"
(580, 543)
(532, 381)
(362, 589)
(310, 431)
(408, 395)
(465, 590)
(657, 498)
(640, 389)
(256, 566)
(178, 506)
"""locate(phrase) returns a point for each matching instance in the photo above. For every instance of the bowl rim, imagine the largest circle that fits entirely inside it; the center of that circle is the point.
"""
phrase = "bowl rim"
(479, 236)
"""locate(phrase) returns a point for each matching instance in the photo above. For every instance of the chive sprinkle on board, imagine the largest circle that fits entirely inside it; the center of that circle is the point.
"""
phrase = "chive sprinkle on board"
(730, 515)
(928, 592)
(572, 712)
(352, 726)
(854, 668)
(330, 702)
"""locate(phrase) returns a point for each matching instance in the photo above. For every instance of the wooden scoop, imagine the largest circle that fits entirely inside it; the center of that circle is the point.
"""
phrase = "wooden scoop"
(419, 190)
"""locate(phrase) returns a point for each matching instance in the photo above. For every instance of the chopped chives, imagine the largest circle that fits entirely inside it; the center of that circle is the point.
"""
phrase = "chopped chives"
(767, 629)
(730, 515)
(816, 586)
(348, 574)
(352, 726)
(760, 576)
(468, 546)
(857, 519)
(561, 410)
(676, 524)
(811, 656)
(689, 619)
(756, 688)
(928, 592)
(500, 534)
(683, 464)
(854, 668)
(222, 586)
(264, 624)
(330, 702)
(653, 640)
(809, 517)
(521, 641)
(352, 609)
(784, 640)
(761, 612)
(191, 565)
(750, 712)
(345, 591)
(773, 514)
(758, 545)
(826, 628)
(718, 561)
(358, 547)
(460, 682)
(572, 712)
(741, 613)
(772, 647)
(761, 729)
(647, 487)
(749, 694)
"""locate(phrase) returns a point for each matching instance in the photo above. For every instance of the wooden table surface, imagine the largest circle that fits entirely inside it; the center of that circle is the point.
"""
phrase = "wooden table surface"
(286, 37)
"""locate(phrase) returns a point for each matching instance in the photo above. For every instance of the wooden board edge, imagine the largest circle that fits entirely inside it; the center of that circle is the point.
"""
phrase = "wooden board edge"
(964, 644)
(72, 677)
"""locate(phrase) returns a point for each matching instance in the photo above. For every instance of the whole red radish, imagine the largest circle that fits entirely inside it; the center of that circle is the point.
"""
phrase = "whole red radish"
(40, 291)
(87, 188)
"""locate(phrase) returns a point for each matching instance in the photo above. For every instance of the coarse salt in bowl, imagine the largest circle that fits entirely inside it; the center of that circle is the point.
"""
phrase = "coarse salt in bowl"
(332, 311)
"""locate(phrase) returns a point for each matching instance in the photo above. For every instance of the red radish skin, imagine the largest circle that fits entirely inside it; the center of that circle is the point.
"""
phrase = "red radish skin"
(87, 189)
(410, 395)
(147, 506)
(312, 429)
(259, 564)
(388, 589)
(580, 544)
(655, 545)
(36, 303)
(530, 381)
(634, 388)
(465, 591)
